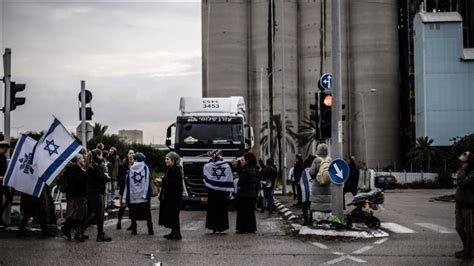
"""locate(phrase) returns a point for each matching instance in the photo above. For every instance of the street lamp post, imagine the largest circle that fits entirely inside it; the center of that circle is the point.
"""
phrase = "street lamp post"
(364, 125)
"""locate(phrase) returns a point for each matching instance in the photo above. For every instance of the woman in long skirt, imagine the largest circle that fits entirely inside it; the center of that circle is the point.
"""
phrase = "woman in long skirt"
(247, 195)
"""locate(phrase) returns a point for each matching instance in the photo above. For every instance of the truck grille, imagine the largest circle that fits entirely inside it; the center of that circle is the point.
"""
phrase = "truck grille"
(193, 179)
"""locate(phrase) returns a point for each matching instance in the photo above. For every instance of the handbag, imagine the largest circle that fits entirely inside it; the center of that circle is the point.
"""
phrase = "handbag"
(154, 190)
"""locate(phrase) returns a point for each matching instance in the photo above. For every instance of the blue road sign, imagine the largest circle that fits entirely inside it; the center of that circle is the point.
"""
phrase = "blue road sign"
(325, 81)
(338, 171)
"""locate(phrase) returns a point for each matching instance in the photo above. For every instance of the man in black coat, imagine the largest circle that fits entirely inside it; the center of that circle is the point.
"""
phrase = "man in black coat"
(269, 175)
(4, 190)
(298, 169)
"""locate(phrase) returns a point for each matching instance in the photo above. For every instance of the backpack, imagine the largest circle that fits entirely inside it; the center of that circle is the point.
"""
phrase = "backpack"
(323, 173)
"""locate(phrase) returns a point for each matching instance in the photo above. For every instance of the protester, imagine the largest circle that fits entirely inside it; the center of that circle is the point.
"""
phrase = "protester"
(352, 182)
(218, 179)
(74, 179)
(247, 195)
(291, 178)
(95, 190)
(298, 171)
(305, 187)
(32, 206)
(113, 169)
(5, 191)
(465, 205)
(171, 196)
(123, 171)
(269, 175)
(321, 191)
(137, 193)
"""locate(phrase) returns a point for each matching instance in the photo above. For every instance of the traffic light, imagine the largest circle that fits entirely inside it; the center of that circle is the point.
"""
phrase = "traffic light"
(325, 105)
(88, 99)
(89, 113)
(16, 101)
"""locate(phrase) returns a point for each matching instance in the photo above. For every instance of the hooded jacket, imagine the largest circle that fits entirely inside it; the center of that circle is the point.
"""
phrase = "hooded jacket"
(320, 195)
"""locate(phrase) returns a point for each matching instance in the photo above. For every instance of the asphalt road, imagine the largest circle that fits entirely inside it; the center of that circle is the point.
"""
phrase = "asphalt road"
(425, 236)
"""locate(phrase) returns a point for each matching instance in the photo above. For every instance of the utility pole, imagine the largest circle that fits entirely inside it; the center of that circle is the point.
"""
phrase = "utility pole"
(83, 114)
(336, 131)
(7, 81)
(283, 97)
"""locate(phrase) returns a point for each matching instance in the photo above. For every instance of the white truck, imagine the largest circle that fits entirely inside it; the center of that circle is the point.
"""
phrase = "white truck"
(206, 124)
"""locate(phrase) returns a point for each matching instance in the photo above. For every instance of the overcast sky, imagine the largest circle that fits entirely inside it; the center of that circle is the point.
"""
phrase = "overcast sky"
(137, 59)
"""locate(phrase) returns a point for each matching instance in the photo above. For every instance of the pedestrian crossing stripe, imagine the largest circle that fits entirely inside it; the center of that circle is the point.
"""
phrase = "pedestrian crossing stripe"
(436, 228)
(396, 228)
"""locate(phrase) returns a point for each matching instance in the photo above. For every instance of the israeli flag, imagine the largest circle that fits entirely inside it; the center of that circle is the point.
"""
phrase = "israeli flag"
(137, 184)
(20, 173)
(218, 176)
(306, 185)
(53, 151)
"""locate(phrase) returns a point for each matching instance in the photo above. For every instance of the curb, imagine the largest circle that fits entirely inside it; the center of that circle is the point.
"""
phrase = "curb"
(285, 212)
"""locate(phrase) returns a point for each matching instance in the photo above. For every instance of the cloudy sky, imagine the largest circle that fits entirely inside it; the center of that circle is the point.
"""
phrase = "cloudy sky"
(136, 57)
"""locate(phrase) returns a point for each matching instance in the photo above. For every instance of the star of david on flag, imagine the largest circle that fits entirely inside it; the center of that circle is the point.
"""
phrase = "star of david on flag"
(218, 176)
(137, 177)
(53, 151)
(20, 173)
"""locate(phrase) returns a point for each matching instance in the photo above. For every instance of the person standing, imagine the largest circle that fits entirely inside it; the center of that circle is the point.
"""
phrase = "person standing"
(465, 205)
(218, 179)
(321, 191)
(269, 175)
(297, 172)
(306, 184)
(247, 195)
(137, 193)
(123, 171)
(5, 191)
(75, 179)
(32, 206)
(113, 169)
(352, 182)
(171, 196)
(95, 190)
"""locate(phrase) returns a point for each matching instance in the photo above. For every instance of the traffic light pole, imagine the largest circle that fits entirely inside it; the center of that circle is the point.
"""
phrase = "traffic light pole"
(7, 105)
(336, 121)
(83, 114)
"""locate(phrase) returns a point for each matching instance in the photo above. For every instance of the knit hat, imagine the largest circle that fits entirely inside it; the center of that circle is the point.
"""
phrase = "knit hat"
(139, 157)
(464, 156)
(173, 156)
(322, 150)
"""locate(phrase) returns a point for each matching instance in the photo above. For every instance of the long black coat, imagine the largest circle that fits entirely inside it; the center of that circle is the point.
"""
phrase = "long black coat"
(171, 198)
(76, 180)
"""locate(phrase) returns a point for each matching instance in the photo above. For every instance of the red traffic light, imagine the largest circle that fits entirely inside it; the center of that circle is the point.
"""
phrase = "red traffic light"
(327, 100)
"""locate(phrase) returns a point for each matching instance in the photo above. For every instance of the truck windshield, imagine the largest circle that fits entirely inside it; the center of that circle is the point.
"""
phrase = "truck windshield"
(210, 133)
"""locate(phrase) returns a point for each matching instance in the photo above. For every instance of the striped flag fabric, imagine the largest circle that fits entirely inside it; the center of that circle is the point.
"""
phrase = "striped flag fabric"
(53, 151)
(306, 184)
(20, 173)
(218, 176)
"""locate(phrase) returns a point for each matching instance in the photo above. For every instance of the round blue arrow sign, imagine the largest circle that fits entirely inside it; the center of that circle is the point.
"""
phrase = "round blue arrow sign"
(338, 171)
(326, 81)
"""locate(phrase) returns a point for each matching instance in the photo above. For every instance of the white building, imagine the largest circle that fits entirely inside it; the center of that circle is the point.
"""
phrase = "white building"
(132, 136)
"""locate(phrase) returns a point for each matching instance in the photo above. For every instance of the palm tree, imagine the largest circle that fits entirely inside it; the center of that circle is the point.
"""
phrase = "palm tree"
(307, 134)
(276, 126)
(99, 130)
(423, 154)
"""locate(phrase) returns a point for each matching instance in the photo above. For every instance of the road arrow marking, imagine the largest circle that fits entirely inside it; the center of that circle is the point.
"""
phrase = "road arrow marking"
(339, 172)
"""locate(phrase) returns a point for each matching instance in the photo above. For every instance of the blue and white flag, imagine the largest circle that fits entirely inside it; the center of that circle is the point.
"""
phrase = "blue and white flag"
(137, 184)
(218, 176)
(306, 185)
(20, 174)
(53, 151)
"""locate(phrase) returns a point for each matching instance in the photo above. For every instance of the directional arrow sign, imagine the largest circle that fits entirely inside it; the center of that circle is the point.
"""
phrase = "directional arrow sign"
(325, 81)
(338, 171)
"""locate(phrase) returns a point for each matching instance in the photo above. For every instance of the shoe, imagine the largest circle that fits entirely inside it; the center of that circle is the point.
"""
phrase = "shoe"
(150, 229)
(130, 228)
(134, 231)
(103, 238)
(119, 225)
(175, 236)
(463, 254)
(80, 237)
(66, 232)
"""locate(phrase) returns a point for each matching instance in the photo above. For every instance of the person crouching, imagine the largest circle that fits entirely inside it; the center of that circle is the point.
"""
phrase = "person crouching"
(137, 193)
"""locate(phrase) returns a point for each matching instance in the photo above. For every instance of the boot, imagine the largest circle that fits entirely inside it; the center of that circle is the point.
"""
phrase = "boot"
(175, 235)
(119, 225)
(150, 228)
(79, 236)
(133, 227)
(66, 231)
(170, 234)
(103, 238)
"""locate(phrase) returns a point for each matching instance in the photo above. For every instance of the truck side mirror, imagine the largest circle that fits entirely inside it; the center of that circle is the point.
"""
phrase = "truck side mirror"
(249, 137)
(168, 137)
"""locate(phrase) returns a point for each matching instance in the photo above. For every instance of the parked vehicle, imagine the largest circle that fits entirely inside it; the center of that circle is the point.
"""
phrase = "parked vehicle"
(385, 181)
(365, 205)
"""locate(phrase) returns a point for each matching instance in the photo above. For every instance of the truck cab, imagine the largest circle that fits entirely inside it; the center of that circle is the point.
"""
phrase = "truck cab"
(206, 124)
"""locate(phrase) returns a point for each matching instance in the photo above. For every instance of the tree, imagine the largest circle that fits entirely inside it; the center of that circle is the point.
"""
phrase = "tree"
(276, 126)
(307, 134)
(461, 144)
(99, 130)
(423, 154)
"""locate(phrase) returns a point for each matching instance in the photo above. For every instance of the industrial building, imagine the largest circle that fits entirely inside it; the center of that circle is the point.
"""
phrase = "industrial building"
(444, 78)
(131, 136)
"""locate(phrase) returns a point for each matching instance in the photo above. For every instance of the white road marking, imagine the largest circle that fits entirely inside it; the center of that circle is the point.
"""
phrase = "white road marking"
(304, 230)
(292, 217)
(284, 210)
(287, 213)
(381, 241)
(436, 228)
(319, 245)
(270, 226)
(338, 253)
(396, 228)
(347, 257)
(280, 207)
(157, 264)
(194, 225)
(362, 250)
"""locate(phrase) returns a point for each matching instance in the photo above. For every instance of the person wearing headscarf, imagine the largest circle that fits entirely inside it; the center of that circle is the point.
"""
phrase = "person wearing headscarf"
(218, 179)
(122, 173)
(465, 205)
(137, 193)
(321, 203)
(95, 191)
(75, 178)
(171, 196)
(247, 195)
